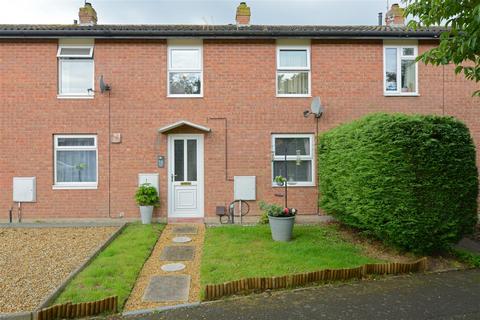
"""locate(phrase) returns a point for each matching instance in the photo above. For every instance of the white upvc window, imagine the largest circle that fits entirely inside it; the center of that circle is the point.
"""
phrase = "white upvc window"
(299, 169)
(75, 162)
(75, 71)
(185, 71)
(400, 70)
(293, 71)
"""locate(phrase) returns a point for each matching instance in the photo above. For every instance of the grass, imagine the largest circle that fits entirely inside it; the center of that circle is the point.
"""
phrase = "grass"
(233, 252)
(115, 270)
(471, 259)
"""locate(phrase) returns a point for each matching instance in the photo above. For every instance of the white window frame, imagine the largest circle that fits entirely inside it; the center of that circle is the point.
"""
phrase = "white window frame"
(400, 57)
(64, 57)
(310, 158)
(198, 47)
(290, 69)
(74, 185)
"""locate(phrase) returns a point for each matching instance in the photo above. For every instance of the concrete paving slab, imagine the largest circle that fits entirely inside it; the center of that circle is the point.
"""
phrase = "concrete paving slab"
(167, 288)
(192, 229)
(178, 253)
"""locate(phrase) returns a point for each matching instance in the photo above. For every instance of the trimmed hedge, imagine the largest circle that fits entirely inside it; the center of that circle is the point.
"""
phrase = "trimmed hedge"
(409, 180)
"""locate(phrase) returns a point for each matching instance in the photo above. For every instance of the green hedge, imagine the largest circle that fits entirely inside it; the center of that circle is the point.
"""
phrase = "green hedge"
(409, 180)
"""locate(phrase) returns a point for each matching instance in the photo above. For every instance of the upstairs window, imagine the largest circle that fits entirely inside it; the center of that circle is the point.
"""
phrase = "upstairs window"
(75, 161)
(75, 71)
(185, 72)
(293, 71)
(400, 70)
(299, 167)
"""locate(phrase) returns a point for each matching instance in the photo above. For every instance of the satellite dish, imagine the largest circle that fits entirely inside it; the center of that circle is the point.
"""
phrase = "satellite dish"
(316, 107)
(103, 86)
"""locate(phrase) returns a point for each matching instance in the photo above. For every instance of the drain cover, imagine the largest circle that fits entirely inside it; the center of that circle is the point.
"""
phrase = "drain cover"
(181, 239)
(171, 267)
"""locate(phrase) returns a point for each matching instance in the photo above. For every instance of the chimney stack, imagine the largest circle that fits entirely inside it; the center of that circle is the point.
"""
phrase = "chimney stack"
(87, 15)
(243, 14)
(394, 17)
(380, 18)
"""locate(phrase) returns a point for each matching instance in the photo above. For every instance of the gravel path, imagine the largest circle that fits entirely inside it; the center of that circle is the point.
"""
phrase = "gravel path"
(34, 261)
(153, 267)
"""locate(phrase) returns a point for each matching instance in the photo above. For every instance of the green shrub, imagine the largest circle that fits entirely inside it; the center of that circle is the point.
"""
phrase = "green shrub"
(471, 259)
(409, 180)
(146, 195)
(273, 210)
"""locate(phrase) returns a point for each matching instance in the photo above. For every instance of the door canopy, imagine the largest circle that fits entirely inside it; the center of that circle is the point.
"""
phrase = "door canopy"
(184, 125)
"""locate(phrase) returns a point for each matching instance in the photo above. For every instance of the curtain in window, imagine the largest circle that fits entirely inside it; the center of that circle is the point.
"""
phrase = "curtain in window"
(292, 82)
(293, 58)
(76, 76)
(76, 166)
(408, 76)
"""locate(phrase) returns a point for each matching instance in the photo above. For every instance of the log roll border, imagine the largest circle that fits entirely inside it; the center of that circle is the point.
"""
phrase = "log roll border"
(78, 310)
(217, 291)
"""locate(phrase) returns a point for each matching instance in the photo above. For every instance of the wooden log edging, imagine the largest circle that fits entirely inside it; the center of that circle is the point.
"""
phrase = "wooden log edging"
(216, 291)
(78, 310)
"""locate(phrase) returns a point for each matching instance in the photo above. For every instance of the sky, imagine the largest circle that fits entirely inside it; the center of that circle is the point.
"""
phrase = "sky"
(322, 12)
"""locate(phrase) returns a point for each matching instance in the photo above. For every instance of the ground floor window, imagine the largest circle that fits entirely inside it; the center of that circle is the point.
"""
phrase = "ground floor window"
(76, 161)
(299, 167)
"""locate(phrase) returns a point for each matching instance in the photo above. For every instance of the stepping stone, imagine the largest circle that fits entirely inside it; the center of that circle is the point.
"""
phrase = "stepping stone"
(171, 267)
(178, 253)
(181, 239)
(167, 288)
(185, 229)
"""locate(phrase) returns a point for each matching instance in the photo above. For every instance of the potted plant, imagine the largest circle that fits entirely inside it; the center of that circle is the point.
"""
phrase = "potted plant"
(281, 220)
(146, 198)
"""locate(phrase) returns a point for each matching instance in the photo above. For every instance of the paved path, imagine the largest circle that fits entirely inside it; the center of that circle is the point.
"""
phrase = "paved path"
(450, 295)
(171, 275)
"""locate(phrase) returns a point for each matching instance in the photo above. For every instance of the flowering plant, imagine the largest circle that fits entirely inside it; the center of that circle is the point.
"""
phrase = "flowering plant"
(289, 212)
(274, 210)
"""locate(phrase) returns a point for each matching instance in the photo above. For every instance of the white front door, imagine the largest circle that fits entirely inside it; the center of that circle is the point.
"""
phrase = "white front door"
(185, 173)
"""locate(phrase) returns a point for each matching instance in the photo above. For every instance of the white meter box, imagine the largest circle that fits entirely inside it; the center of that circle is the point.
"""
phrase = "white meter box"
(24, 189)
(244, 188)
(151, 178)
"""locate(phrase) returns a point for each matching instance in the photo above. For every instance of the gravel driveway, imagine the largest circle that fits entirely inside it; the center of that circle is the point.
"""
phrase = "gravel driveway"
(34, 261)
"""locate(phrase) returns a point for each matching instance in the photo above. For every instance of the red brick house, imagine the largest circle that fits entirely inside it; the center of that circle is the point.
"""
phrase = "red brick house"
(194, 106)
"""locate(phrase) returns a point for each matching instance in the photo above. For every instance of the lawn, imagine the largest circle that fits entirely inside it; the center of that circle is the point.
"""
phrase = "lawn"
(115, 270)
(234, 252)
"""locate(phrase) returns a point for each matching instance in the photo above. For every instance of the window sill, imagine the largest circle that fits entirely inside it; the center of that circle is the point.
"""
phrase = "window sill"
(293, 95)
(183, 96)
(62, 96)
(401, 95)
(74, 187)
(296, 185)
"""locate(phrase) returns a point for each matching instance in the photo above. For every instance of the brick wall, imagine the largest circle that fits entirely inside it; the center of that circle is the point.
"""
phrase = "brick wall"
(239, 84)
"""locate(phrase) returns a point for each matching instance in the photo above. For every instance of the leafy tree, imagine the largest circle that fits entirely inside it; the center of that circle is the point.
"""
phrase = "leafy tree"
(460, 42)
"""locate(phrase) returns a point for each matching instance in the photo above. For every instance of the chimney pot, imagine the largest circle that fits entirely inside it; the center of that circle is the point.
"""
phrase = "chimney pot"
(243, 14)
(87, 15)
(394, 17)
